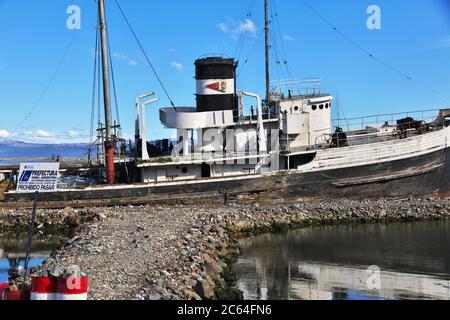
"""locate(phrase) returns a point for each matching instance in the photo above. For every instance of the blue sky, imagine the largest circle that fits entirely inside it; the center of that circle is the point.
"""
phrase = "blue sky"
(415, 39)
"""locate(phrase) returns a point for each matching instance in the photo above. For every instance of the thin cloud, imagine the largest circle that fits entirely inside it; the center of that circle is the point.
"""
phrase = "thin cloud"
(172, 50)
(123, 57)
(133, 62)
(223, 27)
(176, 65)
(4, 134)
(73, 134)
(288, 38)
(248, 26)
(235, 28)
(43, 134)
(442, 43)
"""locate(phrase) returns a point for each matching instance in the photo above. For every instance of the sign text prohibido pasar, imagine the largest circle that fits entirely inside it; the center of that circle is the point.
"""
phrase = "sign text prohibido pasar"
(38, 177)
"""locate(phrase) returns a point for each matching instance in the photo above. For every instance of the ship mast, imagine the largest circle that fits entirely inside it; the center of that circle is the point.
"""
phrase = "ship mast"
(267, 47)
(109, 142)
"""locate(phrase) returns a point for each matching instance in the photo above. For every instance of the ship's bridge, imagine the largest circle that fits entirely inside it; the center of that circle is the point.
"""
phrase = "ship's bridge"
(305, 113)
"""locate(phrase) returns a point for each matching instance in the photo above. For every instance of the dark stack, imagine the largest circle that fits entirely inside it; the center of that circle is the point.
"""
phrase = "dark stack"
(216, 84)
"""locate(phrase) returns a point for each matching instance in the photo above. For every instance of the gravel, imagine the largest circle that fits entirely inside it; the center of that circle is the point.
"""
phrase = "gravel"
(176, 252)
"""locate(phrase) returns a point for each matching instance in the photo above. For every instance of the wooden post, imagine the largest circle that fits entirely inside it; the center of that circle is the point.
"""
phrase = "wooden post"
(30, 235)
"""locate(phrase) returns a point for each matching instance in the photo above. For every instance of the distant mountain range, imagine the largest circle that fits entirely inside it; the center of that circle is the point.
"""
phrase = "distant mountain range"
(10, 149)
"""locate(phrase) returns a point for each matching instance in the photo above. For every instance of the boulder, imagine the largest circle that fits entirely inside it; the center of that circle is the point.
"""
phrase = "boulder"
(205, 289)
(212, 268)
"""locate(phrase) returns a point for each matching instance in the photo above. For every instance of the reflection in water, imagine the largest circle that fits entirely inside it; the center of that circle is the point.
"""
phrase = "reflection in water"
(13, 251)
(331, 263)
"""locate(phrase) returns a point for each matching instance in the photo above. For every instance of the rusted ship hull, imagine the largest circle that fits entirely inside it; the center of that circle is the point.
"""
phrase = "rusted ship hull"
(417, 176)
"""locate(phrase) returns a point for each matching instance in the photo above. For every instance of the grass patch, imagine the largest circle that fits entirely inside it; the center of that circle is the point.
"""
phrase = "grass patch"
(164, 160)
(114, 201)
(227, 289)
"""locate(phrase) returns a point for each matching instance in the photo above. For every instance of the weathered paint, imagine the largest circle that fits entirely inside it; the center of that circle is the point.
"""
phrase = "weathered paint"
(381, 152)
(288, 185)
(418, 165)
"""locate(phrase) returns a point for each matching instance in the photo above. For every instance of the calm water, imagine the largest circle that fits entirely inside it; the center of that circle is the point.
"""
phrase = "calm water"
(331, 263)
(13, 251)
(16, 150)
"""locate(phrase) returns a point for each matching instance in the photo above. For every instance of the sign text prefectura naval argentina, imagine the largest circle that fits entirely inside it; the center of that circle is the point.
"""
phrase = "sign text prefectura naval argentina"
(38, 177)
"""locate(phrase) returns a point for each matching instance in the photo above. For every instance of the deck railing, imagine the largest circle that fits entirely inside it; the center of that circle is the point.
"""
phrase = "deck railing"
(362, 123)
(307, 87)
(369, 129)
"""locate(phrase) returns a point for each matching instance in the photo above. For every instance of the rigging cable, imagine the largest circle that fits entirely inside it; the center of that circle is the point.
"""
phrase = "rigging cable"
(280, 70)
(281, 53)
(100, 110)
(145, 54)
(113, 78)
(49, 83)
(354, 43)
(277, 24)
(243, 31)
(94, 89)
(251, 52)
(278, 55)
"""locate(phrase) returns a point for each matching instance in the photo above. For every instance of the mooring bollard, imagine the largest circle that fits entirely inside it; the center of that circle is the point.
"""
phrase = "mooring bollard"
(225, 198)
(43, 288)
(16, 294)
(3, 287)
(72, 288)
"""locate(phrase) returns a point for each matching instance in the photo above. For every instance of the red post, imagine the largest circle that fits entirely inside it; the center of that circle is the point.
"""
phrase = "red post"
(109, 157)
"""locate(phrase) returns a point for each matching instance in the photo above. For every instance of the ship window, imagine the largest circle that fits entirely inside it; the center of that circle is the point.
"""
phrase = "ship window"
(314, 107)
(296, 108)
(321, 107)
(184, 170)
(326, 106)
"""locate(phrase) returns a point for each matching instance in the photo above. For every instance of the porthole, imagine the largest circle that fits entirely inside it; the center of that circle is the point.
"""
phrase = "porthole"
(321, 107)
(326, 106)
(314, 107)
(184, 170)
(296, 108)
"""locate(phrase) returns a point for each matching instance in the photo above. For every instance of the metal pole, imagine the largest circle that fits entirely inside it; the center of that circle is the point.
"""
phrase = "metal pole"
(109, 143)
(266, 29)
(30, 236)
(105, 67)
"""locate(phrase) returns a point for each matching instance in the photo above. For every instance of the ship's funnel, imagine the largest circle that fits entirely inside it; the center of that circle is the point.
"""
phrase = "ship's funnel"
(216, 84)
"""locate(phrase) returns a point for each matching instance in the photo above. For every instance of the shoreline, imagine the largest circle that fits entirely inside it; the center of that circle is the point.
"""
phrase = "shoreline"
(184, 251)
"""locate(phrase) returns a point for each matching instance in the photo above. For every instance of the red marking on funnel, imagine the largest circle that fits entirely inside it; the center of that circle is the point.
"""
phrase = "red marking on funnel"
(214, 86)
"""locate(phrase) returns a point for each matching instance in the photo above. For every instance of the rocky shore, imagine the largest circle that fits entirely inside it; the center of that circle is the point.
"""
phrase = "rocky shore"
(48, 221)
(180, 252)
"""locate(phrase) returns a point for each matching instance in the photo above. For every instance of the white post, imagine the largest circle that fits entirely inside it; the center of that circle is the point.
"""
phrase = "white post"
(186, 144)
(145, 156)
(260, 126)
(136, 116)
